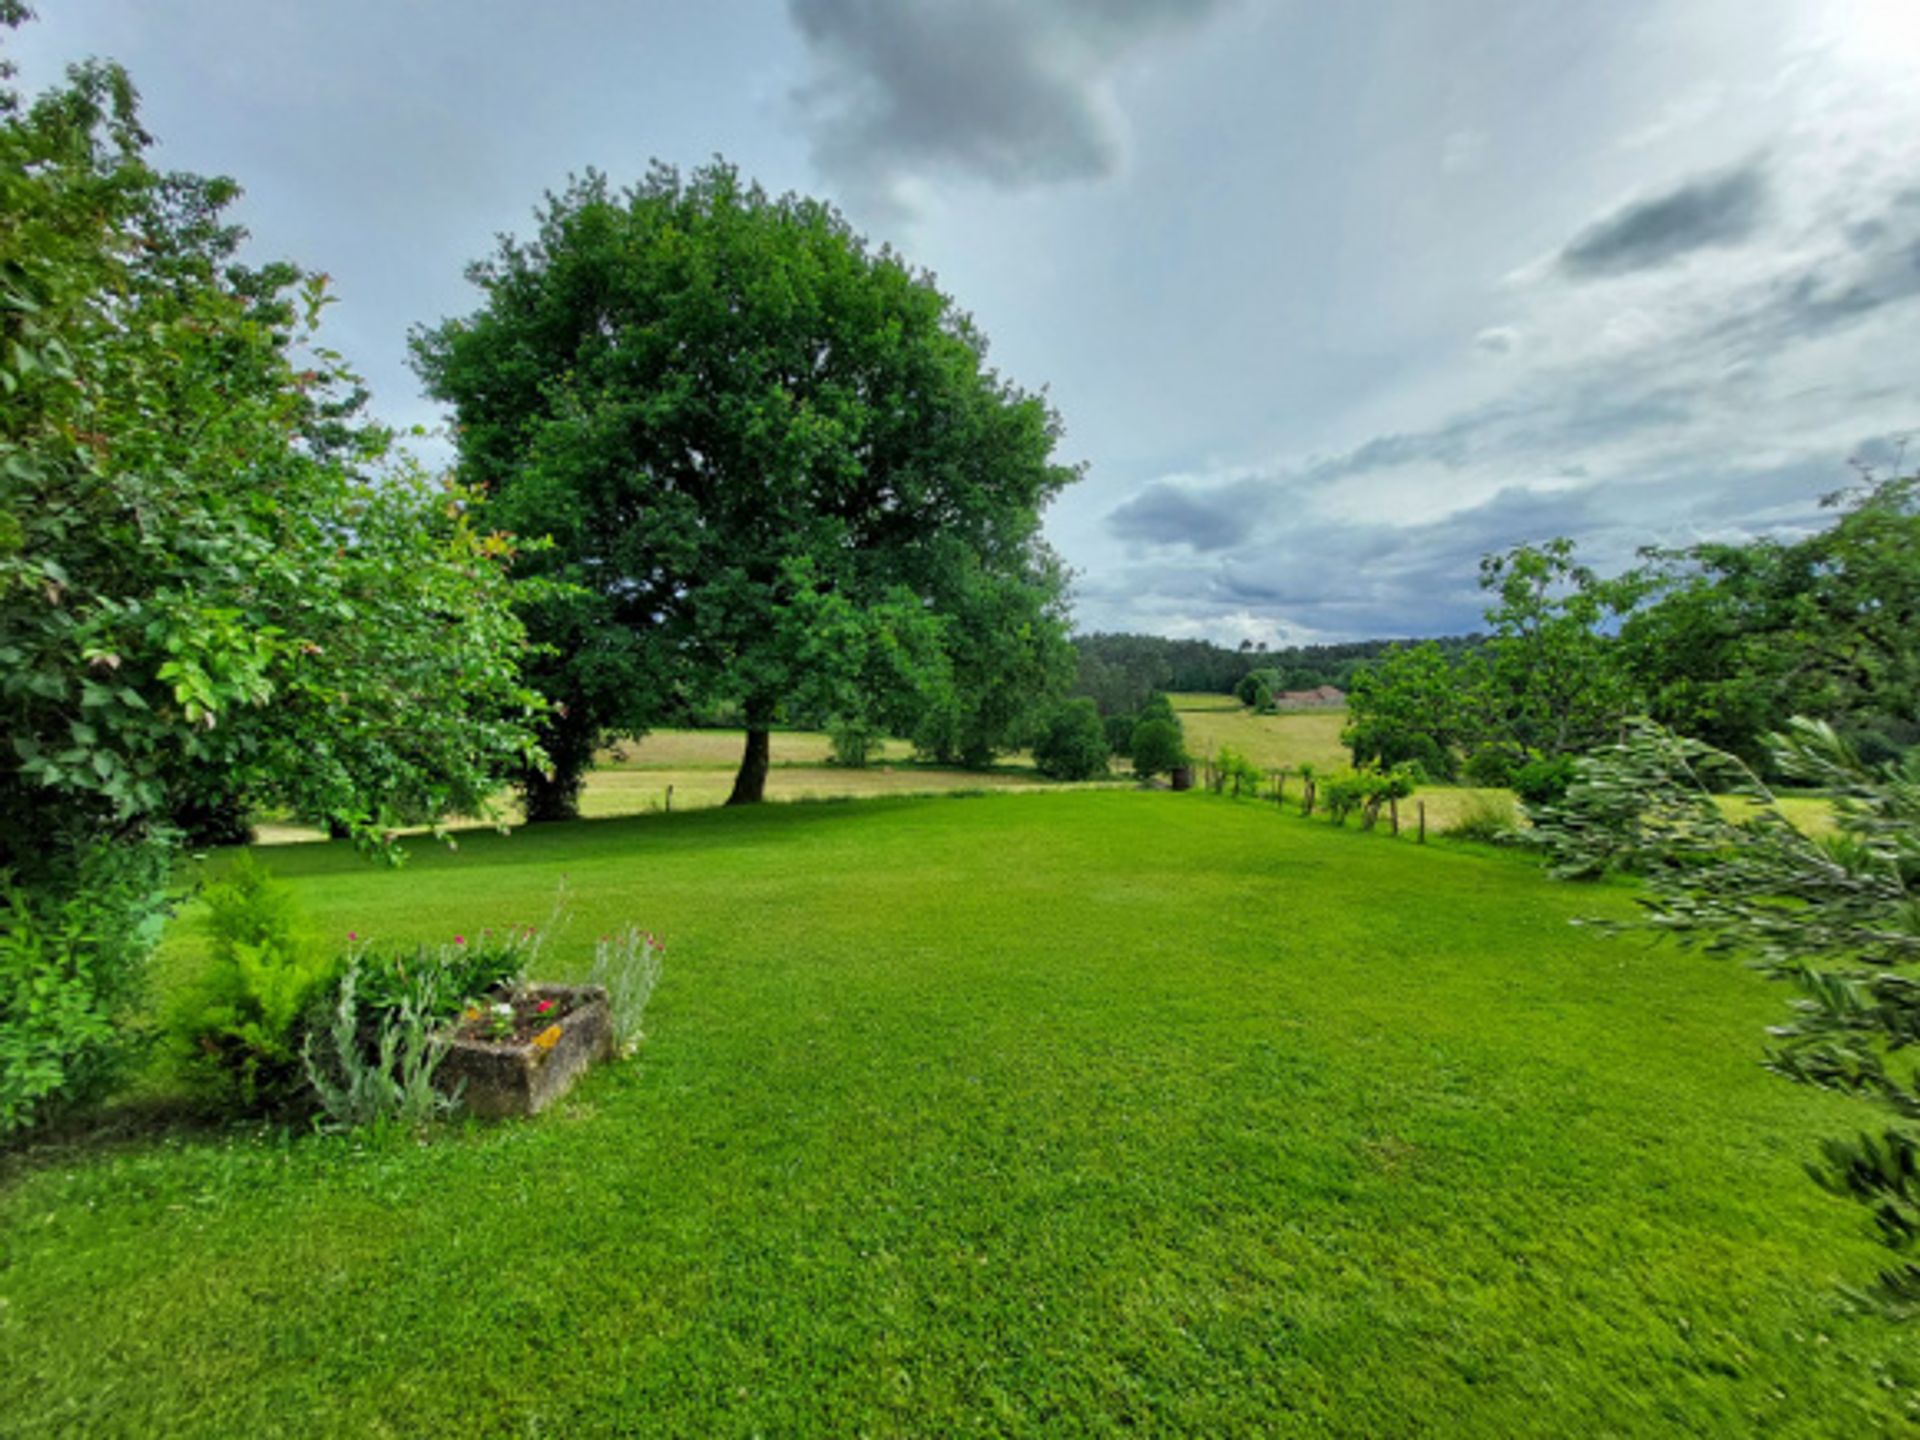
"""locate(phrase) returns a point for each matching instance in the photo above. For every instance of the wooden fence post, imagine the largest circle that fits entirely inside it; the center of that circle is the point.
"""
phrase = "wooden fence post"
(1393, 814)
(669, 799)
(1423, 820)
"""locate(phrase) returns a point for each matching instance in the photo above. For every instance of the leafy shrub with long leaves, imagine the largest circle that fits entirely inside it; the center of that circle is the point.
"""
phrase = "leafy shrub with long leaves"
(374, 1068)
(1835, 916)
(627, 965)
(438, 979)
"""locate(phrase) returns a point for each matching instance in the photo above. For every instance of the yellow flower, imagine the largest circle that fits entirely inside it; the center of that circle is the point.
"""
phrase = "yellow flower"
(547, 1038)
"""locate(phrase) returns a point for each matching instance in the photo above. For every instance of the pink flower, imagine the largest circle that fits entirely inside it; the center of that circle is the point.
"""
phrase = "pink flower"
(353, 934)
(459, 939)
(543, 1007)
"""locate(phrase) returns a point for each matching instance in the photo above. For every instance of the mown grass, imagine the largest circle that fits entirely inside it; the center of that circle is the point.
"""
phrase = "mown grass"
(1072, 1114)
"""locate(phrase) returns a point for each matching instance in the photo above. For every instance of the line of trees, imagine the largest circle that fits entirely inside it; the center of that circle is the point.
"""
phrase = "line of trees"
(1721, 642)
(1119, 671)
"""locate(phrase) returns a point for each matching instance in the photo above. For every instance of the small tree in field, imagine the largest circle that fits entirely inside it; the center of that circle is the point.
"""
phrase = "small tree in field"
(1834, 916)
(1073, 745)
(1157, 747)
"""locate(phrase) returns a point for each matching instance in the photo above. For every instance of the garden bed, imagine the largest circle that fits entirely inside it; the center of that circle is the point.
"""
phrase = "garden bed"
(518, 1053)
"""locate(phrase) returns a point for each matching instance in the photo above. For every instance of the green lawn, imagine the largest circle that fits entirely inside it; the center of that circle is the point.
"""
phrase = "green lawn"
(1047, 1115)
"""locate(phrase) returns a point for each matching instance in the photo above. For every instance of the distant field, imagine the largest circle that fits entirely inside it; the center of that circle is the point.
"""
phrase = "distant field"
(698, 749)
(1273, 742)
(634, 777)
(1187, 701)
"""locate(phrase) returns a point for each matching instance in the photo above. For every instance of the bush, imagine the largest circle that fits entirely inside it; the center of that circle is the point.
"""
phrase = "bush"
(854, 741)
(1257, 688)
(1544, 781)
(1157, 748)
(1073, 744)
(73, 951)
(238, 1030)
(1232, 770)
(1120, 730)
(1490, 768)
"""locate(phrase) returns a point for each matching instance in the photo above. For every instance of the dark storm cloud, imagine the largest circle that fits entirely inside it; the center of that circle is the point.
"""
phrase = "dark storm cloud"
(1202, 520)
(1009, 92)
(1723, 208)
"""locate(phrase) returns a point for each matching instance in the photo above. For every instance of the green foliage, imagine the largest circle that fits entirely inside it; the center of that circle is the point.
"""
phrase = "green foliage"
(72, 960)
(1158, 707)
(1157, 748)
(380, 1075)
(238, 1030)
(776, 471)
(1409, 705)
(626, 964)
(1550, 680)
(435, 981)
(1234, 773)
(1120, 671)
(1490, 768)
(1738, 634)
(216, 589)
(1073, 745)
(1544, 781)
(1835, 916)
(1257, 688)
(1119, 731)
(854, 741)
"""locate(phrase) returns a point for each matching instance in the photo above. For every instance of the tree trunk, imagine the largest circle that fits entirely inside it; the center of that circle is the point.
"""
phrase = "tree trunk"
(750, 785)
(570, 741)
(551, 795)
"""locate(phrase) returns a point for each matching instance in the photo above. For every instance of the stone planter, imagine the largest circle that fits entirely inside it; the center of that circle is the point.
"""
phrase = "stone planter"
(494, 1078)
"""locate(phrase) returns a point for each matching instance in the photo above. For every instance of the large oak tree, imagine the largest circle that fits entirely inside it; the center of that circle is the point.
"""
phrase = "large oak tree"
(775, 469)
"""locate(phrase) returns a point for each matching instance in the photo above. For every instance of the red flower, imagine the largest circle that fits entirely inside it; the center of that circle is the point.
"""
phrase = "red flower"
(543, 1007)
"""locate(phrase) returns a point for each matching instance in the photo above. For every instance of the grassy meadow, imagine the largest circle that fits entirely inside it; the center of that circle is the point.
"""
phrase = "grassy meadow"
(694, 769)
(1291, 738)
(1093, 1113)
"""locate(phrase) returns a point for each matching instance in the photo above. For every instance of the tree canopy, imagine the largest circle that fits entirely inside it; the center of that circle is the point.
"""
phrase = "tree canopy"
(774, 465)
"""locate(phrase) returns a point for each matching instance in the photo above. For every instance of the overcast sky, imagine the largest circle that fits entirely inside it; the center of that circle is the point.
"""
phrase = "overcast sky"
(1332, 297)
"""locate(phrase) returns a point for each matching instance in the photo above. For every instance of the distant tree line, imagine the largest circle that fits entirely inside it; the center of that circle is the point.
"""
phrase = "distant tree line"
(1722, 642)
(1119, 671)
